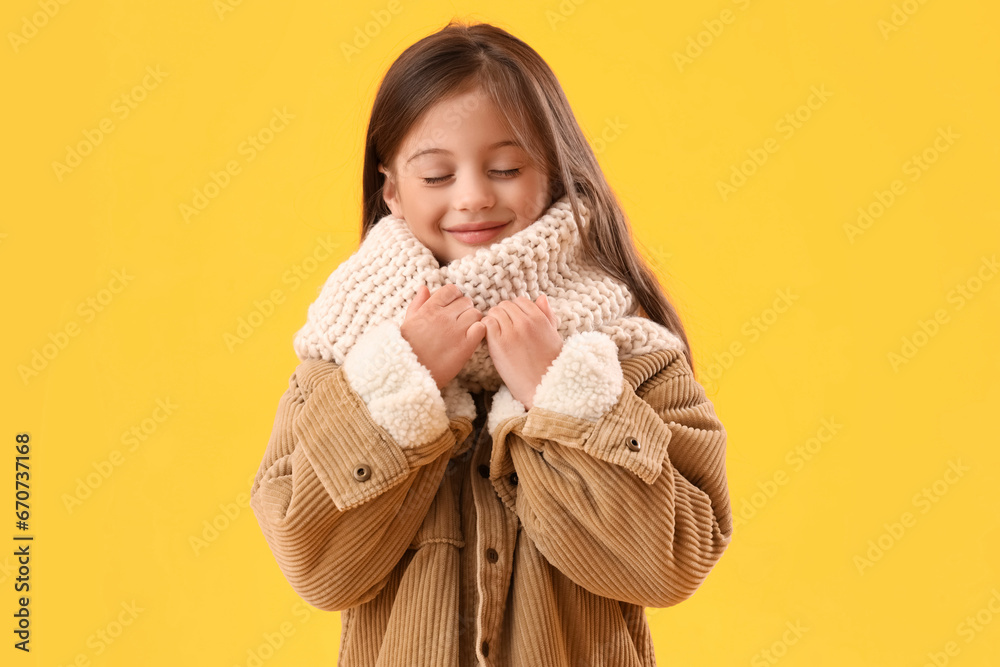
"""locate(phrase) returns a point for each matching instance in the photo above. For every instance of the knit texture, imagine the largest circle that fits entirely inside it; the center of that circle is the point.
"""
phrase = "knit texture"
(378, 282)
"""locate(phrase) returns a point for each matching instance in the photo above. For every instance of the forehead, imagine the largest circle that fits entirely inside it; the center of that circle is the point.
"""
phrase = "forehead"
(464, 122)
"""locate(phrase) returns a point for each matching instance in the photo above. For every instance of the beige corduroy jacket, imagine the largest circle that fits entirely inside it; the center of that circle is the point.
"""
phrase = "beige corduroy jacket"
(532, 538)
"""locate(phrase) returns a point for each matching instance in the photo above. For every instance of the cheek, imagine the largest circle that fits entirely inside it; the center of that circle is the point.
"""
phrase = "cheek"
(536, 197)
(427, 220)
(416, 207)
(534, 207)
(429, 231)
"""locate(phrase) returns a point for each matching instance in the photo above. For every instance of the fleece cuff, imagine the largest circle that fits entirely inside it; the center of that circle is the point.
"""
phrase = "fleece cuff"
(400, 392)
(584, 381)
(504, 405)
(458, 401)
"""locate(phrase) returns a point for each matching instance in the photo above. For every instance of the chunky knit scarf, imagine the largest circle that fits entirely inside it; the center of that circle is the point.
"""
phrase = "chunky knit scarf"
(378, 282)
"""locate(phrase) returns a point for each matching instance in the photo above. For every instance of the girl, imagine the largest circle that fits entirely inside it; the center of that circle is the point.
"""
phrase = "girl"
(494, 450)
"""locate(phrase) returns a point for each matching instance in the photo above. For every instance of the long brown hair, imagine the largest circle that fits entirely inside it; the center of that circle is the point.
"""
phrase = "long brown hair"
(464, 56)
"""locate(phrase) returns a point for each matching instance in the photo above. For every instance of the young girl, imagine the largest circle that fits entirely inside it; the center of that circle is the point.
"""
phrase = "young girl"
(494, 450)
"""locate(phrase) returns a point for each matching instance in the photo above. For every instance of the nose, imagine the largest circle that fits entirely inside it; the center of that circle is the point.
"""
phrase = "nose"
(473, 192)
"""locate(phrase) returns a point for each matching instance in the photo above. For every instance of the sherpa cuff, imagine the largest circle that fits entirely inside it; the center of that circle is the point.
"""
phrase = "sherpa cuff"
(458, 401)
(584, 381)
(504, 405)
(400, 392)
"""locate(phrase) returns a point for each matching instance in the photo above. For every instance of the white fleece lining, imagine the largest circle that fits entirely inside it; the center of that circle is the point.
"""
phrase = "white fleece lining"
(584, 381)
(458, 401)
(400, 392)
(504, 406)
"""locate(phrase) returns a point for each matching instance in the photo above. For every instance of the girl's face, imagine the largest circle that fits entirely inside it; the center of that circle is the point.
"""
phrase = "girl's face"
(461, 182)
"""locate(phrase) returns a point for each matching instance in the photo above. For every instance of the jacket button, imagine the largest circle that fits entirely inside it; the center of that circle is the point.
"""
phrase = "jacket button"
(513, 478)
(486, 649)
(362, 471)
(484, 471)
(492, 555)
(633, 444)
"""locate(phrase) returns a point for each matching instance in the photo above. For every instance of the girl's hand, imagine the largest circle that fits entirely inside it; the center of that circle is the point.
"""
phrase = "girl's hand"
(523, 340)
(443, 330)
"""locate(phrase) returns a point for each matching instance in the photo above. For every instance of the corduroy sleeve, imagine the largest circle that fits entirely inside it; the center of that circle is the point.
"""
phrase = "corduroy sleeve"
(633, 505)
(337, 498)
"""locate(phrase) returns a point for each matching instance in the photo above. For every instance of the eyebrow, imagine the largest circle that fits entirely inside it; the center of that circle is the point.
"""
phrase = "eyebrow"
(491, 147)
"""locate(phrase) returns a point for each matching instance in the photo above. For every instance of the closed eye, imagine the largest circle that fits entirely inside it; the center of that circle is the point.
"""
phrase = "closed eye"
(506, 173)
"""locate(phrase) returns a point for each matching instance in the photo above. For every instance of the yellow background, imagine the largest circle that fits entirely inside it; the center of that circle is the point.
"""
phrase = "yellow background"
(810, 311)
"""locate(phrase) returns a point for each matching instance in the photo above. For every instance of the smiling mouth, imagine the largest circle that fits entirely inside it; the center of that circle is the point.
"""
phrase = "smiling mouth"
(478, 236)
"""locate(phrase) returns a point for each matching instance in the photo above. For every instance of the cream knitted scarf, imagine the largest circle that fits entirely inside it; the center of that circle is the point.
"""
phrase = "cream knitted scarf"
(380, 279)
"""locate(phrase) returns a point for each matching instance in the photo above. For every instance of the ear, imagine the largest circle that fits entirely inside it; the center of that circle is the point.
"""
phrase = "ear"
(389, 193)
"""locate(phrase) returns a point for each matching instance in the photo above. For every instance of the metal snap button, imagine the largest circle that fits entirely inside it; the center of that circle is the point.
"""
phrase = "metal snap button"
(362, 471)
(484, 470)
(492, 555)
(513, 478)
(633, 444)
